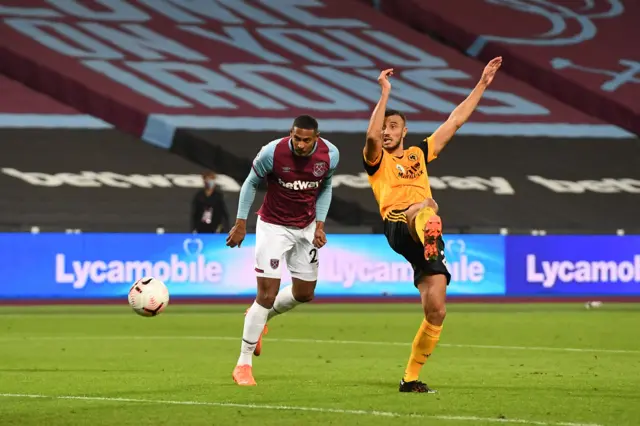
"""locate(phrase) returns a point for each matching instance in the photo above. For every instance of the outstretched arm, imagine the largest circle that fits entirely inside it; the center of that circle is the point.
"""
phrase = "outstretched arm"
(373, 147)
(461, 114)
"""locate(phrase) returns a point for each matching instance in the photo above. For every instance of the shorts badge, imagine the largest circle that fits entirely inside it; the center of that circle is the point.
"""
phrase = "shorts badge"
(275, 263)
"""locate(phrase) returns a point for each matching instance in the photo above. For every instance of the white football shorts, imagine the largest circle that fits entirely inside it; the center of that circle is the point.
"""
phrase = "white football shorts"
(277, 242)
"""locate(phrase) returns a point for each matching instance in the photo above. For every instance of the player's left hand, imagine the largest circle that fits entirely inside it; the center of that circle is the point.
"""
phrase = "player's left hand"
(490, 70)
(319, 238)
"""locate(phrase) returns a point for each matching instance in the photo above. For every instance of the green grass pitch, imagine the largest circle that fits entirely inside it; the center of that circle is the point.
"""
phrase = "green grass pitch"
(555, 364)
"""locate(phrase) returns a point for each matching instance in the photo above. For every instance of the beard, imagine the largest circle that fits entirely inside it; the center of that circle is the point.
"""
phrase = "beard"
(391, 145)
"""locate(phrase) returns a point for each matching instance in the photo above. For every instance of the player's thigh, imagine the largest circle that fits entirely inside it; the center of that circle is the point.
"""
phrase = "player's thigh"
(302, 260)
(272, 243)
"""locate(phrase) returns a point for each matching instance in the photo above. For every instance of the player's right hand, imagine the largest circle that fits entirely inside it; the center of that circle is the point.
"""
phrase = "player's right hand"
(383, 79)
(236, 235)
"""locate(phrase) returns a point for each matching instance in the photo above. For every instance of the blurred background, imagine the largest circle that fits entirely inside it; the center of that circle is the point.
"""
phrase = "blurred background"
(128, 127)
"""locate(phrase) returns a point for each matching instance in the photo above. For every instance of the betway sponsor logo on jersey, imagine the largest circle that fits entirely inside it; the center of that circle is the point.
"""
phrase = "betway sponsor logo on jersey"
(80, 273)
(300, 185)
(551, 273)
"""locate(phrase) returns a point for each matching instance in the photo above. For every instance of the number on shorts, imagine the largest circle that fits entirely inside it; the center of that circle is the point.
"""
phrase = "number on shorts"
(314, 255)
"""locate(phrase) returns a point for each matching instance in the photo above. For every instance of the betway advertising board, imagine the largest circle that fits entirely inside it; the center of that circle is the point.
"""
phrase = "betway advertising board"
(99, 177)
(150, 66)
(562, 185)
(581, 52)
(103, 266)
(95, 179)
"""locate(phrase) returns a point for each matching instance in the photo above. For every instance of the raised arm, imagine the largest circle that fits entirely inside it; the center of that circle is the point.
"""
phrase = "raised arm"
(373, 146)
(439, 139)
(261, 167)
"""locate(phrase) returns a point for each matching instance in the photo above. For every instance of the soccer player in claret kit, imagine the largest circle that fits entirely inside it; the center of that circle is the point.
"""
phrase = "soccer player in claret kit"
(400, 184)
(298, 170)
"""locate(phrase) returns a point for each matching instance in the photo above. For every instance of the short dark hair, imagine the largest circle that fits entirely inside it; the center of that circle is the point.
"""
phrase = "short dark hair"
(390, 112)
(306, 122)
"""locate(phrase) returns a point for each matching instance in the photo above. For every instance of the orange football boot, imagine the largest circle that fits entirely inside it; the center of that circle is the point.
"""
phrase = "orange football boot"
(243, 375)
(432, 231)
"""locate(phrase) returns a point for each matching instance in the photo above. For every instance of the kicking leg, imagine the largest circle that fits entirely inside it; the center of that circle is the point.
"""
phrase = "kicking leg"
(426, 226)
(254, 325)
(433, 289)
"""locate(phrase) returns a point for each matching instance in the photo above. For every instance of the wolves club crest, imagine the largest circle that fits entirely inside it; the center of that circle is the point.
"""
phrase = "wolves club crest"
(413, 157)
(320, 168)
(275, 263)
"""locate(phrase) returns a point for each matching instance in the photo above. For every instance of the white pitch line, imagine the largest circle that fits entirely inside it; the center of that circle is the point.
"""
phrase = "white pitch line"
(320, 341)
(295, 408)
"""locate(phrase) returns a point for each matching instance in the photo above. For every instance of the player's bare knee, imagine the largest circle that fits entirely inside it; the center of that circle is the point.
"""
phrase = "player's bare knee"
(436, 314)
(303, 291)
(304, 297)
(430, 202)
(267, 291)
(266, 300)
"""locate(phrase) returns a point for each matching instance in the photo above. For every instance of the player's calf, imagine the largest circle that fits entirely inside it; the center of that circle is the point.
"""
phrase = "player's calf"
(258, 350)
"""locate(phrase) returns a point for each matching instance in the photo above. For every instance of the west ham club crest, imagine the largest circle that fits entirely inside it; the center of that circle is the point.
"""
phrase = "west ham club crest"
(275, 263)
(319, 169)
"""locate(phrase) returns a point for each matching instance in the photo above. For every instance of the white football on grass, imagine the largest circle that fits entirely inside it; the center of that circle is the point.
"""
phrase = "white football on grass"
(148, 297)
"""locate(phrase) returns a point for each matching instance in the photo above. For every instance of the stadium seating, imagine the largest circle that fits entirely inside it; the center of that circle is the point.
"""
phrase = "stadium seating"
(580, 53)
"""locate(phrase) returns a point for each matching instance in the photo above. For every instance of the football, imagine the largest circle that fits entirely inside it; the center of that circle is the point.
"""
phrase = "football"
(148, 297)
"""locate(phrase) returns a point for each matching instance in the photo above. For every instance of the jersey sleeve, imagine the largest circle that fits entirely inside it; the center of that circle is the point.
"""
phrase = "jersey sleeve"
(372, 168)
(334, 159)
(263, 163)
(324, 196)
(427, 148)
